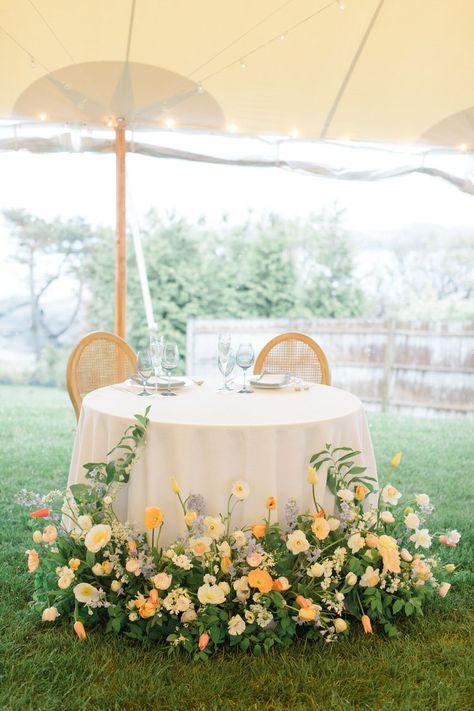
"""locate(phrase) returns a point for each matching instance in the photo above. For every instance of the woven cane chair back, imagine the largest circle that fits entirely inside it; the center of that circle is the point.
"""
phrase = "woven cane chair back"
(99, 359)
(296, 354)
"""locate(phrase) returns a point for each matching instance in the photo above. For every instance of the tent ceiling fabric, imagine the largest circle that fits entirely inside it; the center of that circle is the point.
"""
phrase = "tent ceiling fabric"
(394, 71)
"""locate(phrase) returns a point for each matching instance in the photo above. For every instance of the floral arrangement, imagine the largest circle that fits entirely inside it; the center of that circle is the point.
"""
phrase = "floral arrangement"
(254, 588)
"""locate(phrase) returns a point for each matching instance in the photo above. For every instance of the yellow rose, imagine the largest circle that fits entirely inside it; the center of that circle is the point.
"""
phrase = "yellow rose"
(321, 528)
(395, 461)
(308, 614)
(190, 517)
(74, 563)
(361, 492)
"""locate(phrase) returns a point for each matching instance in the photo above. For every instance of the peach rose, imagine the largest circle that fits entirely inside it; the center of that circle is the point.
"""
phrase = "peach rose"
(33, 560)
(254, 559)
(50, 533)
(281, 583)
(361, 492)
(371, 540)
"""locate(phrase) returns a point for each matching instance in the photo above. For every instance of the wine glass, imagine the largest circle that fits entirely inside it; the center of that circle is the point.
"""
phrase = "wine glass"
(226, 366)
(245, 358)
(156, 350)
(169, 362)
(223, 345)
(144, 369)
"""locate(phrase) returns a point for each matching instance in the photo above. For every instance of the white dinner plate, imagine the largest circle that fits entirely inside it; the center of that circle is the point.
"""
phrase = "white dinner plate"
(270, 381)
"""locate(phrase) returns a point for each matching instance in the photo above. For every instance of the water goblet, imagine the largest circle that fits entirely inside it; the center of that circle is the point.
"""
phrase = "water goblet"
(169, 362)
(156, 350)
(223, 345)
(144, 369)
(226, 366)
(245, 358)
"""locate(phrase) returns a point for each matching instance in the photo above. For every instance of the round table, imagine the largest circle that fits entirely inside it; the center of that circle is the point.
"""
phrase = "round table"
(208, 440)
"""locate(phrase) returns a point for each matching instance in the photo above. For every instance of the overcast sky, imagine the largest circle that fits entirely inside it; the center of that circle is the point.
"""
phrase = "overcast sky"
(67, 185)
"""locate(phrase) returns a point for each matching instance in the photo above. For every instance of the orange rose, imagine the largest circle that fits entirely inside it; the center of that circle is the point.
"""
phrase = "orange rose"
(365, 619)
(74, 563)
(271, 503)
(259, 530)
(226, 565)
(148, 609)
(361, 492)
(308, 614)
(80, 631)
(260, 579)
(203, 641)
(153, 517)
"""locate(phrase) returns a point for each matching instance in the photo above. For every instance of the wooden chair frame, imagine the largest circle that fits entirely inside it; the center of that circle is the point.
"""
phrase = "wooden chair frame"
(121, 371)
(294, 336)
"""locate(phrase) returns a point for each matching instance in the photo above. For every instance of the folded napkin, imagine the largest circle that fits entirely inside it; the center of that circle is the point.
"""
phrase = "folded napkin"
(270, 379)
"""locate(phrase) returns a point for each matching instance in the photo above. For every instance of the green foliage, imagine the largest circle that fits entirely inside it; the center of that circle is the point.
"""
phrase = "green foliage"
(266, 268)
(39, 670)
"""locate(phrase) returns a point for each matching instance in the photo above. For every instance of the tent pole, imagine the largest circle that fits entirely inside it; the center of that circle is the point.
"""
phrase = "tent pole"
(120, 231)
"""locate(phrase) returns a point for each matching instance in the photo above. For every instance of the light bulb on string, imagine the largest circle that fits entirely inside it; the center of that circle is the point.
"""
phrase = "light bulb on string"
(33, 63)
(283, 36)
(243, 64)
(170, 122)
(341, 4)
(200, 89)
(294, 133)
(232, 127)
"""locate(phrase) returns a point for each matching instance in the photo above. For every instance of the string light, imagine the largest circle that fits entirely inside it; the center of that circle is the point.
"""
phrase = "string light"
(200, 89)
(232, 128)
(341, 4)
(294, 133)
(110, 122)
(243, 64)
(463, 147)
(170, 122)
(283, 37)
(42, 117)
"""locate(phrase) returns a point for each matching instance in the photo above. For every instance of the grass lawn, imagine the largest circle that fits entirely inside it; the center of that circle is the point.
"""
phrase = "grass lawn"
(429, 666)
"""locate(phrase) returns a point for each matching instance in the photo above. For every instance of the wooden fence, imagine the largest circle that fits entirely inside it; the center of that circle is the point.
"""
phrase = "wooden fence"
(420, 367)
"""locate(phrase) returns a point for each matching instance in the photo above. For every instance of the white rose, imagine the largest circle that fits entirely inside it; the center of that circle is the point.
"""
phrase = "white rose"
(356, 542)
(50, 614)
(115, 585)
(133, 616)
(406, 555)
(387, 517)
(107, 500)
(162, 581)
(225, 587)
(315, 571)
(339, 596)
(97, 569)
(334, 523)
(224, 549)
(351, 579)
(412, 521)
(239, 538)
(297, 542)
(346, 495)
(85, 522)
(132, 565)
(422, 499)
(65, 581)
(454, 537)
(188, 616)
(38, 538)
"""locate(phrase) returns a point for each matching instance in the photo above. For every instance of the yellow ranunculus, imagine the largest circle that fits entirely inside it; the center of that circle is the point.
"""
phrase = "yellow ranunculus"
(153, 517)
(361, 492)
(321, 528)
(388, 549)
(396, 459)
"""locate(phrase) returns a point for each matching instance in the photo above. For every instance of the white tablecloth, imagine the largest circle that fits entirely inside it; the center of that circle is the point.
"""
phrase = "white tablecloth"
(208, 440)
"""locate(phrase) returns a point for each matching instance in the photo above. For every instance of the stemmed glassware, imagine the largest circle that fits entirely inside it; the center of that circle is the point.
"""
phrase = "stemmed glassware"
(144, 369)
(156, 350)
(226, 366)
(169, 361)
(245, 358)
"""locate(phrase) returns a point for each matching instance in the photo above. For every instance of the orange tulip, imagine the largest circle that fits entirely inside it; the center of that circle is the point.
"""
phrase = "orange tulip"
(319, 514)
(302, 601)
(277, 585)
(80, 631)
(226, 565)
(40, 513)
(259, 530)
(153, 596)
(260, 579)
(153, 517)
(271, 503)
(366, 624)
(203, 641)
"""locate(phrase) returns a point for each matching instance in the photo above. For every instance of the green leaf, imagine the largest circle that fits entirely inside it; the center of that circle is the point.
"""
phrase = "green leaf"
(348, 456)
(90, 559)
(79, 491)
(409, 609)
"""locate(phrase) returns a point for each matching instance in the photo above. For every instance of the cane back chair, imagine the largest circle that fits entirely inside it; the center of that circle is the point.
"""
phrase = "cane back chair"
(99, 359)
(296, 354)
